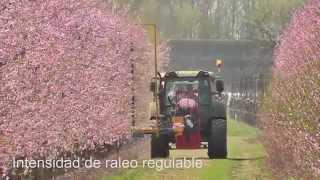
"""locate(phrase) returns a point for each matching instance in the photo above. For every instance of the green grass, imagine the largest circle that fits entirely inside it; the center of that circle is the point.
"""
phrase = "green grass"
(245, 161)
(219, 169)
(131, 174)
(246, 152)
(241, 129)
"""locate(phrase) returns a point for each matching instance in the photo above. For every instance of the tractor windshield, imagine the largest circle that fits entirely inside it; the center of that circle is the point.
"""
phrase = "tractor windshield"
(194, 88)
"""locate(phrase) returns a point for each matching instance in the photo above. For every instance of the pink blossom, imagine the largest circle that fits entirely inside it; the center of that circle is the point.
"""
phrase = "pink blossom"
(291, 112)
(65, 81)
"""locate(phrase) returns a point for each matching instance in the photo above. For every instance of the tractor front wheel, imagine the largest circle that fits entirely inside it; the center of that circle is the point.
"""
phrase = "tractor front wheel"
(159, 146)
(217, 141)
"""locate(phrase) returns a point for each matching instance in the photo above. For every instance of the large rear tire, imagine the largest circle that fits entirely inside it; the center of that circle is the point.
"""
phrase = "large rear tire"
(159, 146)
(217, 141)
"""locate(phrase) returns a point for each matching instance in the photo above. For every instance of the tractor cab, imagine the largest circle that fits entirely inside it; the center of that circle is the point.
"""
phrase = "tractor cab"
(190, 112)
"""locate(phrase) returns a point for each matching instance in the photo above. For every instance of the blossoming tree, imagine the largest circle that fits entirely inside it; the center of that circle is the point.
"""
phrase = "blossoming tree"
(65, 76)
(291, 114)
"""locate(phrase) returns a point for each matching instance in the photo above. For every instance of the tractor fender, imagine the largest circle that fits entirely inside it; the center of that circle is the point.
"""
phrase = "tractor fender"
(218, 110)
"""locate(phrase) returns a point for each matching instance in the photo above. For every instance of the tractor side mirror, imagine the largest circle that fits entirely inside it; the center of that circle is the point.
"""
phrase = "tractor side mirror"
(153, 86)
(219, 86)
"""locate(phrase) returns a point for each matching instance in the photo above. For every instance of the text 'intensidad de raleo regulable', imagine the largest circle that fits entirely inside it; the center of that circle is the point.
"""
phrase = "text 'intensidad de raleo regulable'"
(158, 164)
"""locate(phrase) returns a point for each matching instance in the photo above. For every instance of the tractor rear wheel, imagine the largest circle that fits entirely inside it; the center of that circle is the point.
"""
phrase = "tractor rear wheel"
(217, 141)
(159, 146)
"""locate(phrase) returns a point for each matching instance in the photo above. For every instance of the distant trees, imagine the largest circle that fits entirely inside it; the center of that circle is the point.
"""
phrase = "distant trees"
(266, 19)
(218, 19)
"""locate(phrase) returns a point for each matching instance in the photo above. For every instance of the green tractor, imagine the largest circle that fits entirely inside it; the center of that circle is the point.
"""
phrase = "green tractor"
(190, 113)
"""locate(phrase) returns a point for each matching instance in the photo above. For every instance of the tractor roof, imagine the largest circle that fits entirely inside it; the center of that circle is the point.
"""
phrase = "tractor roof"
(187, 73)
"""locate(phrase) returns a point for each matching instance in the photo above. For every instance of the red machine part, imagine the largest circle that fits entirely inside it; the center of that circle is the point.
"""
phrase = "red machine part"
(193, 139)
